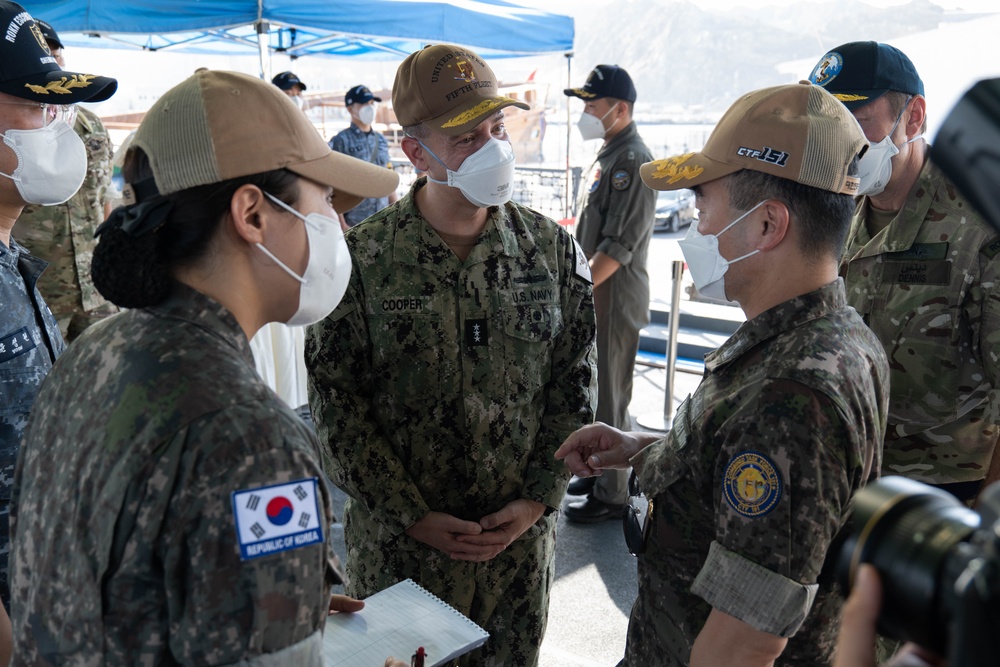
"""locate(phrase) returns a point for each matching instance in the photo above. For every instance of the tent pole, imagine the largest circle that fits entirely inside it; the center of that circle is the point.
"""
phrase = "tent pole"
(569, 174)
(263, 38)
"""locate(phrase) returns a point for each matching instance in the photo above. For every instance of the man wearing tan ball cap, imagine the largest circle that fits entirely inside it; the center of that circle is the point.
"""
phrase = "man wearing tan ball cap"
(753, 482)
(462, 355)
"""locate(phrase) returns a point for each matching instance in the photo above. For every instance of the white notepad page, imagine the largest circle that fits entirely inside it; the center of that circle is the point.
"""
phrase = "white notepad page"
(395, 621)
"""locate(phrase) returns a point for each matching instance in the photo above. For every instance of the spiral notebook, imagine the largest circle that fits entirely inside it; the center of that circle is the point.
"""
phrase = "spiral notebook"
(395, 621)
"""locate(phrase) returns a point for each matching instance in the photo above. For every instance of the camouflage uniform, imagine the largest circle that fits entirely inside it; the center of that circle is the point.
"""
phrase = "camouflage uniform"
(929, 287)
(64, 236)
(27, 351)
(127, 554)
(445, 386)
(370, 147)
(617, 219)
(752, 483)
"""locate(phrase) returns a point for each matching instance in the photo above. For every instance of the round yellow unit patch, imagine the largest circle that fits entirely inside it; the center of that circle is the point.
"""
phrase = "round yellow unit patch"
(751, 484)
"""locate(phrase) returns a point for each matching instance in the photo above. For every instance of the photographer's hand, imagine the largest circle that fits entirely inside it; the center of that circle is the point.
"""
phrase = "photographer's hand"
(856, 643)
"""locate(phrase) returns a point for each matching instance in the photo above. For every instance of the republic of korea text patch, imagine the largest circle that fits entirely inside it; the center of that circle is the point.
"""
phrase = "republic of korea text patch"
(277, 518)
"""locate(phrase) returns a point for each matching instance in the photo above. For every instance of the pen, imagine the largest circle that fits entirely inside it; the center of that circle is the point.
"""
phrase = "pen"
(418, 658)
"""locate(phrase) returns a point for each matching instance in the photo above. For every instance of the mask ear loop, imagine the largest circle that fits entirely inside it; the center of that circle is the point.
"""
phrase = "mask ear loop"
(440, 161)
(271, 254)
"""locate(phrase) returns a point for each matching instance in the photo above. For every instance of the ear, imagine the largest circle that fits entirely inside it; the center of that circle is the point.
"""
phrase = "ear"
(773, 225)
(622, 109)
(916, 115)
(415, 152)
(244, 210)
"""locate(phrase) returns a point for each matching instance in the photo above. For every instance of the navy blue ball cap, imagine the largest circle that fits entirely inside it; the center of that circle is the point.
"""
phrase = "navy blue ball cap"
(359, 95)
(858, 73)
(286, 80)
(29, 71)
(605, 81)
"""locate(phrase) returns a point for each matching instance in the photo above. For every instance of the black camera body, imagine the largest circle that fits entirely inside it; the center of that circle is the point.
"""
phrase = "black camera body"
(939, 562)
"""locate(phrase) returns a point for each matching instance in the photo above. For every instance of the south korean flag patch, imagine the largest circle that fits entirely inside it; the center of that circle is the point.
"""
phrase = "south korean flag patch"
(270, 519)
(580, 264)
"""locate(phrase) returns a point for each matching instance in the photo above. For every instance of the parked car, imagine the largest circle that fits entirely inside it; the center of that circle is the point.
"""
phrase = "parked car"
(674, 209)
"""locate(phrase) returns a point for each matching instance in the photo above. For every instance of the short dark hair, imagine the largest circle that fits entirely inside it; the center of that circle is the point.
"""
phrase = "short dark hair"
(418, 131)
(823, 218)
(897, 102)
(630, 105)
(135, 271)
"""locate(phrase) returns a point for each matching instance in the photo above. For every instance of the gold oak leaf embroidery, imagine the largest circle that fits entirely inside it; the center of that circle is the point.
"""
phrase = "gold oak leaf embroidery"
(672, 170)
(63, 86)
(481, 108)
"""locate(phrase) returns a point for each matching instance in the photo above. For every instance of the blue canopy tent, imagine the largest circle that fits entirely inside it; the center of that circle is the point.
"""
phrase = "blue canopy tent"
(372, 29)
(367, 29)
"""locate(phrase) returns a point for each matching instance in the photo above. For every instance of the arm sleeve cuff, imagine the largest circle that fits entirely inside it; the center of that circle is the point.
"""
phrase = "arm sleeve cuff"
(745, 590)
(615, 251)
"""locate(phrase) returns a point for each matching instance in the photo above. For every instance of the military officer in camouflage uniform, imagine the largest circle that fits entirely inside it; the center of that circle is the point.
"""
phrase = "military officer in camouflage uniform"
(462, 355)
(753, 482)
(184, 517)
(41, 162)
(614, 228)
(63, 235)
(921, 267)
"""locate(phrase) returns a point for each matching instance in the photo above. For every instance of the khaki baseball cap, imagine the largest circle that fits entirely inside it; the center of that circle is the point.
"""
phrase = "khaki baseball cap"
(796, 131)
(448, 88)
(219, 125)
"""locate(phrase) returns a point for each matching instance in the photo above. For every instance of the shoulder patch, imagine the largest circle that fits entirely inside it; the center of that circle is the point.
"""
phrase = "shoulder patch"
(751, 484)
(270, 519)
(580, 264)
(597, 180)
(992, 248)
(621, 179)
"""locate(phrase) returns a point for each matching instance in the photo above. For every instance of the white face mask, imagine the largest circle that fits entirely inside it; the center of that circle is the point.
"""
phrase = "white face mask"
(592, 127)
(875, 167)
(299, 102)
(327, 272)
(707, 266)
(366, 114)
(51, 163)
(486, 177)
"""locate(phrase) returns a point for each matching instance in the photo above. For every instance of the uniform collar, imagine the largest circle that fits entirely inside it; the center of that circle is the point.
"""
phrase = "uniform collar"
(621, 138)
(199, 310)
(777, 320)
(900, 234)
(9, 255)
(417, 244)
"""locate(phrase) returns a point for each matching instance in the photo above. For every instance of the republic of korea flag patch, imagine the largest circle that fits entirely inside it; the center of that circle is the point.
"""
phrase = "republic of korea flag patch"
(277, 518)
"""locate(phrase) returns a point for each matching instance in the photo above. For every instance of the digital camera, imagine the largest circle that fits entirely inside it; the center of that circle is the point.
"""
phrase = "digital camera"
(939, 563)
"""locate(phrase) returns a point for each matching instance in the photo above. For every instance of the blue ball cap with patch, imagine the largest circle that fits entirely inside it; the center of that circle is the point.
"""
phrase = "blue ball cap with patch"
(858, 73)
(605, 81)
(285, 81)
(359, 95)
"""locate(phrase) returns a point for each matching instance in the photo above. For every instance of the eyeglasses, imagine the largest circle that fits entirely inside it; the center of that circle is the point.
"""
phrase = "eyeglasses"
(51, 112)
(636, 517)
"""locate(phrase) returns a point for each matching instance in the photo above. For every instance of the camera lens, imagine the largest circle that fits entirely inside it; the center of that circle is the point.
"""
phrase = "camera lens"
(908, 531)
